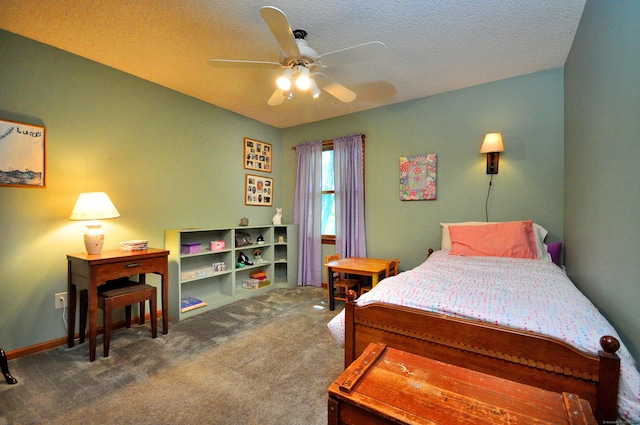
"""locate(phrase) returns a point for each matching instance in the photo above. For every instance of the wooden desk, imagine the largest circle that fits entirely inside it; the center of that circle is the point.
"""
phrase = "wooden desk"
(391, 387)
(90, 271)
(371, 267)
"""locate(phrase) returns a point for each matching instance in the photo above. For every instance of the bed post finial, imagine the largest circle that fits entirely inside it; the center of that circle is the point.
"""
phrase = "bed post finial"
(606, 408)
(609, 344)
(351, 295)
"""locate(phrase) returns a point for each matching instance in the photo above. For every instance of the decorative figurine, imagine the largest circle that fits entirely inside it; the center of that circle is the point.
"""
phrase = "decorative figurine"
(257, 257)
(5, 368)
(243, 259)
(277, 219)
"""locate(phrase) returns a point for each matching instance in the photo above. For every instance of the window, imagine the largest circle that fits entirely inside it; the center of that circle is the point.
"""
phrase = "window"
(328, 196)
(328, 193)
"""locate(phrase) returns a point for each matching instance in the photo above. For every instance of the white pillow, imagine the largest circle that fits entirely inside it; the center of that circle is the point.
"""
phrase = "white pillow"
(540, 232)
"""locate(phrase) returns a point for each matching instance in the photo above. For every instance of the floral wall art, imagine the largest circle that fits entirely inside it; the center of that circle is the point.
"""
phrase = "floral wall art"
(418, 177)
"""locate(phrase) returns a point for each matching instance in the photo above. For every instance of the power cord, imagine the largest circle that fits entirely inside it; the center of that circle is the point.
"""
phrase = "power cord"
(64, 313)
(486, 203)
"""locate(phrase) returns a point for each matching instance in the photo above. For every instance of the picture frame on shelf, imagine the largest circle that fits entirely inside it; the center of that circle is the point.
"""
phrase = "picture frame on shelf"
(257, 155)
(23, 154)
(258, 190)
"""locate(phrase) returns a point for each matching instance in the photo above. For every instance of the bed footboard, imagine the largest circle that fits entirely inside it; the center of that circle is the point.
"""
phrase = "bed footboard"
(512, 354)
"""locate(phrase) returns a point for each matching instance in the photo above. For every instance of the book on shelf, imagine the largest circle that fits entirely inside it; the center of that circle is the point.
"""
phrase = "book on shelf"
(191, 303)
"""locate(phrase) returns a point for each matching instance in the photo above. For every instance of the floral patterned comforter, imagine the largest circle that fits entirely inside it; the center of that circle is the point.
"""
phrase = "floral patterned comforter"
(525, 294)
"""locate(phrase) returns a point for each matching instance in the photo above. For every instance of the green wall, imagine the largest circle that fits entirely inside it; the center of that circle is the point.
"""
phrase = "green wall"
(165, 159)
(170, 161)
(527, 110)
(602, 168)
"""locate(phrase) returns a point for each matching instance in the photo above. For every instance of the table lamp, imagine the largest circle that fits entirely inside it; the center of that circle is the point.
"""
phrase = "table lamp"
(94, 206)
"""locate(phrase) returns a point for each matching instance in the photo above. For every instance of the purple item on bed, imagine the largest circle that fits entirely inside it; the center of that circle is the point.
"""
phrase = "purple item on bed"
(555, 248)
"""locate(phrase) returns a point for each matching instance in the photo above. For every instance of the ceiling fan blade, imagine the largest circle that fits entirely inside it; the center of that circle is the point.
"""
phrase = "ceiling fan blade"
(277, 22)
(276, 98)
(336, 90)
(359, 53)
(242, 63)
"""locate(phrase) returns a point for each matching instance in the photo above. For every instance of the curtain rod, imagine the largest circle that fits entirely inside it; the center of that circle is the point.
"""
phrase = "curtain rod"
(328, 142)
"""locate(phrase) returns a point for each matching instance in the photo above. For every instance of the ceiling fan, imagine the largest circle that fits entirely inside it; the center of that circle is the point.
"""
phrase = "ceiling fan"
(301, 63)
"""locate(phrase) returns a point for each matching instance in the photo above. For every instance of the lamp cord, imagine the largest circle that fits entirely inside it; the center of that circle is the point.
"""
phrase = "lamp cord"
(486, 203)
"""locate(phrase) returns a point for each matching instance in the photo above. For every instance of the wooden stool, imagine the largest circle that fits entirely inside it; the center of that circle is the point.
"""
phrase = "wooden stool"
(392, 270)
(118, 297)
(341, 283)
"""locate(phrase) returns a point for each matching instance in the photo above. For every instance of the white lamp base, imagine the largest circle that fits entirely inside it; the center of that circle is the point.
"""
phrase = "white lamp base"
(94, 238)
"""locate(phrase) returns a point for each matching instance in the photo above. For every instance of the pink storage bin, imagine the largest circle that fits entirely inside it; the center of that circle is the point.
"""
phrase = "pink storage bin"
(217, 245)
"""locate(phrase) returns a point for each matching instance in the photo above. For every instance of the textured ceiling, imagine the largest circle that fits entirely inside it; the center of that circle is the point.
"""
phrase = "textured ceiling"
(433, 46)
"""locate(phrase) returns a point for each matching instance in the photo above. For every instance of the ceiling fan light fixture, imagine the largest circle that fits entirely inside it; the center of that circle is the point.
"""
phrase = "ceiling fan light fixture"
(315, 90)
(303, 78)
(284, 81)
(298, 60)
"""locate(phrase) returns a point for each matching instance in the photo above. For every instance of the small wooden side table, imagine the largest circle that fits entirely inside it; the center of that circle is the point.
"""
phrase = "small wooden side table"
(389, 386)
(89, 271)
(371, 267)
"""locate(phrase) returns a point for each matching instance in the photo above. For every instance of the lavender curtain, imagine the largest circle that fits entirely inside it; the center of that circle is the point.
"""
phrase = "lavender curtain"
(348, 161)
(307, 213)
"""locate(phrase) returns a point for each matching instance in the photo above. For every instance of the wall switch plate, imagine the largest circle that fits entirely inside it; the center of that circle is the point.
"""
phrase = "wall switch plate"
(58, 303)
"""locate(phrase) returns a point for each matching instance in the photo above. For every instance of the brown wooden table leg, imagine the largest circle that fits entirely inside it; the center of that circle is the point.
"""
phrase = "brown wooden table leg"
(332, 299)
(165, 300)
(5, 368)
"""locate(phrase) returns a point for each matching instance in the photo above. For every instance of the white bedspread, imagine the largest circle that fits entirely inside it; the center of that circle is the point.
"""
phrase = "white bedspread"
(525, 294)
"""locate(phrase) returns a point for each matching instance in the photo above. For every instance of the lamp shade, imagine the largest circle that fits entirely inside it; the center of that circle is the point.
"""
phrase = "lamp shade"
(303, 78)
(315, 90)
(93, 206)
(284, 81)
(492, 143)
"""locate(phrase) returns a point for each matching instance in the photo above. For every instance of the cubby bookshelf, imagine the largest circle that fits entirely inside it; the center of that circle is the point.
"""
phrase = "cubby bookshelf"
(212, 275)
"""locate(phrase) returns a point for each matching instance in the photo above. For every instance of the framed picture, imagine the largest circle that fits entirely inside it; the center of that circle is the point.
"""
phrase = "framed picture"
(418, 178)
(257, 155)
(23, 154)
(258, 191)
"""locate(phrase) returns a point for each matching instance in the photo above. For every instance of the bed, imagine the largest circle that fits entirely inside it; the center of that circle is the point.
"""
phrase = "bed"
(517, 318)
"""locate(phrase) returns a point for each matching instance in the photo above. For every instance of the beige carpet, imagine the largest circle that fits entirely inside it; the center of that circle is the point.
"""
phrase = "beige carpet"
(265, 360)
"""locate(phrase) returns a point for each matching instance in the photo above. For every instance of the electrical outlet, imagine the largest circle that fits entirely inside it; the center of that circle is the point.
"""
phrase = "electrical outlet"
(58, 302)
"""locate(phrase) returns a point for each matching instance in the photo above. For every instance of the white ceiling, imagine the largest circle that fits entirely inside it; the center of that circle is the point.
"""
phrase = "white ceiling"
(433, 46)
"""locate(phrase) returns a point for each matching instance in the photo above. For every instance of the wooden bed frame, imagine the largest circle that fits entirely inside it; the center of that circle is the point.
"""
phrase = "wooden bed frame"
(532, 359)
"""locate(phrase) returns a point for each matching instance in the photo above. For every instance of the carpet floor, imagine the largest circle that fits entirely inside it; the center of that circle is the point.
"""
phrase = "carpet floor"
(263, 360)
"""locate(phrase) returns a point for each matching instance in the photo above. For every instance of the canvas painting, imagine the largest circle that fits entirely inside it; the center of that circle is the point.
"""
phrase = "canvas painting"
(418, 177)
(22, 154)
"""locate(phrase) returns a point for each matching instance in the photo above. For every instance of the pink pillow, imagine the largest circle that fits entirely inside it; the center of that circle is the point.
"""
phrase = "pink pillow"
(514, 239)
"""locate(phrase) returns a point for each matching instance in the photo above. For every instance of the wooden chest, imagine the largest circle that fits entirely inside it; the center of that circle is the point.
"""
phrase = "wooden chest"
(389, 386)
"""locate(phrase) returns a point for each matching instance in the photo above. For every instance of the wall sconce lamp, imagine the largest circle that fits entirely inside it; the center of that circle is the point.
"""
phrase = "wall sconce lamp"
(492, 145)
(93, 206)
